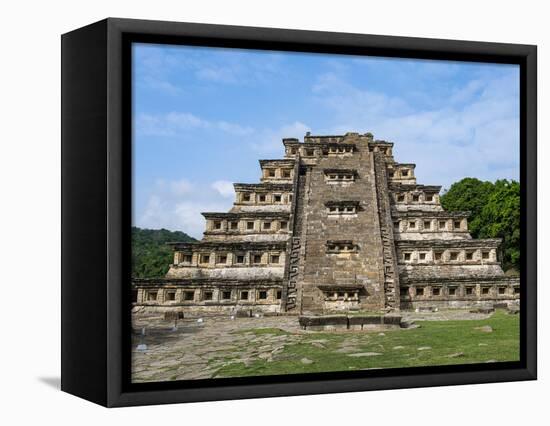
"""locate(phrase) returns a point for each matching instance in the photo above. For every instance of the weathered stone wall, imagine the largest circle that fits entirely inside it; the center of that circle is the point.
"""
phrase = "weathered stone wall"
(459, 291)
(199, 310)
(219, 260)
(401, 173)
(277, 171)
(362, 264)
(208, 296)
(442, 259)
(253, 226)
(421, 225)
(243, 273)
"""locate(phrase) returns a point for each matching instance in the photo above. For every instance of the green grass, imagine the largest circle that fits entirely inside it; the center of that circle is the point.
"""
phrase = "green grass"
(443, 337)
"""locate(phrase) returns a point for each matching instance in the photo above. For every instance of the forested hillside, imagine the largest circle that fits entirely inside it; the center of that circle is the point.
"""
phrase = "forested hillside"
(495, 212)
(150, 254)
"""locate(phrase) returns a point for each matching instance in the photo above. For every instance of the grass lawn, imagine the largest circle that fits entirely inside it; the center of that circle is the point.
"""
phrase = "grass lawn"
(433, 343)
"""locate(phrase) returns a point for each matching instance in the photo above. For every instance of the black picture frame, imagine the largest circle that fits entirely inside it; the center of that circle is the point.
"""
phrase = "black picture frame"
(96, 210)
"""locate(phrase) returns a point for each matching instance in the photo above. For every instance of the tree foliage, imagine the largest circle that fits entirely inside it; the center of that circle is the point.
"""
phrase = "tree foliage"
(150, 254)
(495, 212)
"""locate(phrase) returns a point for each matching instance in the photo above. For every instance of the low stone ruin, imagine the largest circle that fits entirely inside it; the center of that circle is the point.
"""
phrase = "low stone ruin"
(351, 322)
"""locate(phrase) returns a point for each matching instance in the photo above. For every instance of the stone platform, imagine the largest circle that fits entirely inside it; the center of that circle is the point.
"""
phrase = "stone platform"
(350, 322)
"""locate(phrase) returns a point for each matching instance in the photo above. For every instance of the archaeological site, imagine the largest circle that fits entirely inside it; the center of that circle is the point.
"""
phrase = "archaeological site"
(337, 226)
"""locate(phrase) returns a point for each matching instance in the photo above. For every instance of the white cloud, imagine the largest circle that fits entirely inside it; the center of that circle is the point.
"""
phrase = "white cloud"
(234, 129)
(224, 188)
(475, 133)
(154, 67)
(334, 92)
(158, 66)
(269, 141)
(181, 187)
(218, 74)
(239, 68)
(187, 215)
(162, 85)
(178, 204)
(170, 124)
(146, 124)
(182, 120)
(466, 93)
(264, 141)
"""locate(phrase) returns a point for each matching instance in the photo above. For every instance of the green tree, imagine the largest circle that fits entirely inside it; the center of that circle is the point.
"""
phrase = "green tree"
(469, 194)
(500, 218)
(150, 254)
(495, 212)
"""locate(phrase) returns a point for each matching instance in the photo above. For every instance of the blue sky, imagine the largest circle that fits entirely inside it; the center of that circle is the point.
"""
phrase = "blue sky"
(203, 117)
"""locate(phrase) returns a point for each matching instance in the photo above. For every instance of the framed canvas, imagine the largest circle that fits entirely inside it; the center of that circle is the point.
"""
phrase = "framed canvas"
(254, 212)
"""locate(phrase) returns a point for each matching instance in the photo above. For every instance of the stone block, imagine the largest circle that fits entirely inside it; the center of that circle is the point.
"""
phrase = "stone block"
(427, 309)
(364, 320)
(394, 320)
(173, 315)
(482, 310)
(408, 324)
(500, 305)
(325, 320)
